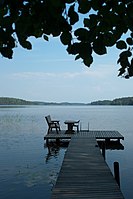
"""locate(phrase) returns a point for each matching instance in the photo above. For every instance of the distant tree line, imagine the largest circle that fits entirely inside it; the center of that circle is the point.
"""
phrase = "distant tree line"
(118, 101)
(16, 101)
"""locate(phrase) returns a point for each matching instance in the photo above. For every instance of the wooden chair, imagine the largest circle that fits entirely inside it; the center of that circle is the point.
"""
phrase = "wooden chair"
(76, 124)
(52, 124)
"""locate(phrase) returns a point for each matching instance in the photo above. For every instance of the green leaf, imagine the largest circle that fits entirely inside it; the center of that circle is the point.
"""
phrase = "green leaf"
(91, 22)
(77, 57)
(66, 38)
(129, 40)
(88, 61)
(98, 47)
(126, 53)
(82, 34)
(46, 37)
(130, 9)
(3, 11)
(84, 6)
(57, 3)
(126, 76)
(85, 50)
(130, 70)
(131, 34)
(86, 22)
(120, 9)
(6, 52)
(122, 71)
(73, 48)
(11, 42)
(55, 31)
(26, 44)
(37, 32)
(69, 1)
(123, 61)
(96, 4)
(74, 18)
(65, 26)
(6, 22)
(121, 44)
(108, 39)
(73, 15)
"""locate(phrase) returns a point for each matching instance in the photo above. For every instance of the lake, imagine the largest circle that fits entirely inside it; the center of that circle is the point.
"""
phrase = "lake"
(27, 170)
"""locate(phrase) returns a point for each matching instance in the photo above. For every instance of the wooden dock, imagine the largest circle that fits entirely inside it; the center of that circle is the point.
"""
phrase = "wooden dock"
(84, 172)
(84, 133)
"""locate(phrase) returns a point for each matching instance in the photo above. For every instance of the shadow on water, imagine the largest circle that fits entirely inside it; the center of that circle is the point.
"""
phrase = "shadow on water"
(53, 159)
(54, 148)
(109, 145)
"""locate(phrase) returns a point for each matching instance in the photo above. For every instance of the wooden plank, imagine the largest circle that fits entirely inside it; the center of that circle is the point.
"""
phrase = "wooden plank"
(102, 134)
(96, 134)
(84, 173)
(61, 135)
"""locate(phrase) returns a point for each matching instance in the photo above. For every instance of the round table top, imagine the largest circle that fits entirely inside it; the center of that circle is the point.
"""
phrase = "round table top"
(70, 121)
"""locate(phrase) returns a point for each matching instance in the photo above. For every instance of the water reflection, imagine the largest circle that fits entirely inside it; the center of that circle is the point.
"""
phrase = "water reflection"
(109, 145)
(54, 148)
(27, 169)
(53, 159)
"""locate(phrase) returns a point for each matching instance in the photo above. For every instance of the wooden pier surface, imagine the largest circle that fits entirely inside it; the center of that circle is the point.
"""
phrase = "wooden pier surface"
(93, 133)
(84, 173)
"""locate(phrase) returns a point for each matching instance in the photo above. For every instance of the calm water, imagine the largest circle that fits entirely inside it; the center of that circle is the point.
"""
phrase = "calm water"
(26, 168)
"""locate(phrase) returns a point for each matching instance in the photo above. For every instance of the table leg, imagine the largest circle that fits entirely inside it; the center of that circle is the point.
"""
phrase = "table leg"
(70, 128)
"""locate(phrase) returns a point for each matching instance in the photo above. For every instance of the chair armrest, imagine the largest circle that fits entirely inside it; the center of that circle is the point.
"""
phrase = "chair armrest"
(55, 121)
(77, 122)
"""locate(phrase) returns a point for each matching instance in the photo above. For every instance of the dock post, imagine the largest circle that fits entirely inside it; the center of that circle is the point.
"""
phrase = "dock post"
(116, 172)
(107, 140)
(57, 141)
(80, 126)
(47, 141)
(103, 149)
(118, 140)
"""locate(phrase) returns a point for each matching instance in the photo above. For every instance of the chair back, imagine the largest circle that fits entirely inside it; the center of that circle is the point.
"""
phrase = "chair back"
(48, 119)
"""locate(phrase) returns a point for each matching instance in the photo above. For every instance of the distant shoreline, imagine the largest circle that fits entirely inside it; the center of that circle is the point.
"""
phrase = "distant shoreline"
(15, 102)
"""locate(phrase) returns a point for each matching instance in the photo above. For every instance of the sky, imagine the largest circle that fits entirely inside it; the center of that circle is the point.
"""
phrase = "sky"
(47, 73)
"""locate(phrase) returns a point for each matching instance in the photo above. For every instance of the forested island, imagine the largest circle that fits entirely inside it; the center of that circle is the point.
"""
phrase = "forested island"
(15, 101)
(119, 101)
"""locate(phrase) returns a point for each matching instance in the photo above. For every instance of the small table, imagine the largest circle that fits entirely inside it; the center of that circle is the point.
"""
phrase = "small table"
(70, 124)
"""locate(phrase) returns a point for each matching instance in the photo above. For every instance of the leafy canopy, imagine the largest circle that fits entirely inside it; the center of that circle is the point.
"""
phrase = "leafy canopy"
(102, 25)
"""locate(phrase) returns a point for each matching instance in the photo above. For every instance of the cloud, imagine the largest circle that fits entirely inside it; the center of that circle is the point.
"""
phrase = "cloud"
(55, 60)
(29, 75)
(99, 72)
(41, 75)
